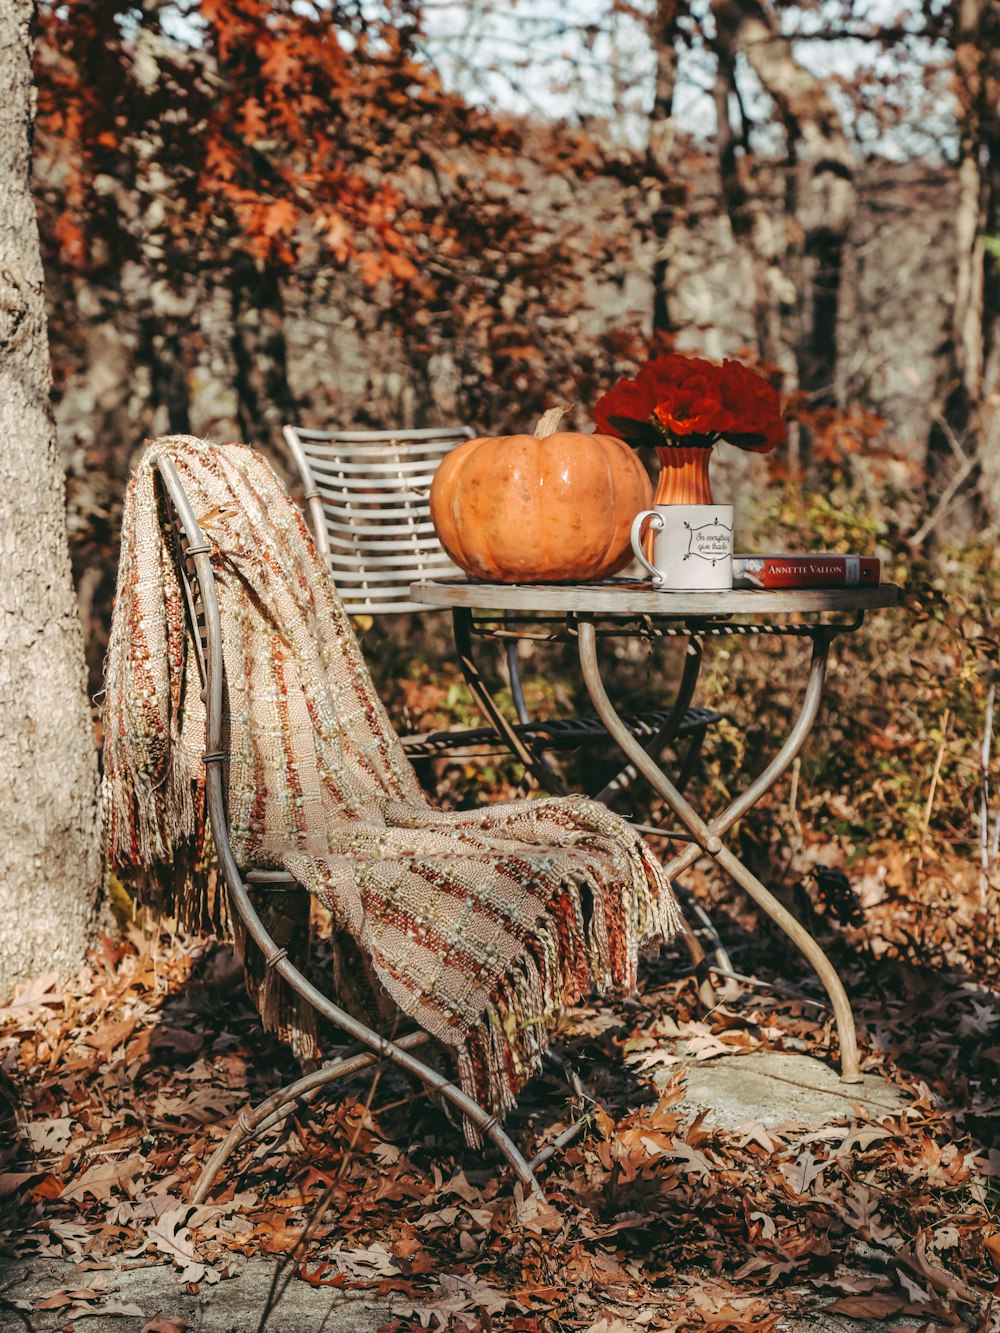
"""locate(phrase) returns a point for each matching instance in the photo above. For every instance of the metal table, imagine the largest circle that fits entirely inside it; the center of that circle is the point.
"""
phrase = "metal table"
(588, 612)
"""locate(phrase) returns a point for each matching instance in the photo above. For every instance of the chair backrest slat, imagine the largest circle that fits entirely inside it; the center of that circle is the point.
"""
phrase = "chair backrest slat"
(356, 471)
(369, 502)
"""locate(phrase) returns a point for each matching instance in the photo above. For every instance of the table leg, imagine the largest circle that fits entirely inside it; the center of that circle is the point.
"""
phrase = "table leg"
(699, 964)
(666, 733)
(708, 834)
(536, 764)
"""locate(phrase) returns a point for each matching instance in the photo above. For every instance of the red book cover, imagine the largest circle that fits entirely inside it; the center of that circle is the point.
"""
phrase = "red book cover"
(806, 571)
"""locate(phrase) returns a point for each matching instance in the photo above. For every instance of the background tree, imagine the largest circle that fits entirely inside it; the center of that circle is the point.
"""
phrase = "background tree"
(49, 861)
(962, 464)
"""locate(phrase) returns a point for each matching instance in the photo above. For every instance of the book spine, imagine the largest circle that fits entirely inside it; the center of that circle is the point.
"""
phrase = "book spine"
(820, 571)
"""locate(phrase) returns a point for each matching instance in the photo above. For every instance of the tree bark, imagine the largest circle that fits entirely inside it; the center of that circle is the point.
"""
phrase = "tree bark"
(49, 814)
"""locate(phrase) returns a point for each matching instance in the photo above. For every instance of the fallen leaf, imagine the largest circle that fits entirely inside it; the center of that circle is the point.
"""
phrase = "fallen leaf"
(706, 1046)
(12, 1181)
(863, 1137)
(38, 994)
(48, 1136)
(54, 1300)
(112, 1308)
(108, 1037)
(170, 1235)
(103, 1177)
(801, 1173)
(879, 1305)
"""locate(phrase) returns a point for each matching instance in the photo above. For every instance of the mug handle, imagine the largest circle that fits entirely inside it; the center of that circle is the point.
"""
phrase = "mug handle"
(656, 524)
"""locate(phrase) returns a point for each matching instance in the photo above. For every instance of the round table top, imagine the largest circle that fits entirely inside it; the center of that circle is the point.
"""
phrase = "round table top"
(626, 597)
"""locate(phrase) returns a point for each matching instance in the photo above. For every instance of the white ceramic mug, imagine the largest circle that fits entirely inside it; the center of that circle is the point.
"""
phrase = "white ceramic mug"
(692, 546)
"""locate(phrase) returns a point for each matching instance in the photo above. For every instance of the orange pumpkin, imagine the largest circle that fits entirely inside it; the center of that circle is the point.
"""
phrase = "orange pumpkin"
(553, 507)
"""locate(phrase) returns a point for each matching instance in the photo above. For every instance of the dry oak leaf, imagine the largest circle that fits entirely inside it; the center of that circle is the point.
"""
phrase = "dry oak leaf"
(879, 1305)
(109, 1036)
(704, 1046)
(697, 1163)
(375, 1261)
(863, 1137)
(126, 1309)
(12, 1181)
(170, 1234)
(456, 1295)
(103, 1177)
(802, 1173)
(35, 995)
(55, 1300)
(50, 1135)
(281, 1239)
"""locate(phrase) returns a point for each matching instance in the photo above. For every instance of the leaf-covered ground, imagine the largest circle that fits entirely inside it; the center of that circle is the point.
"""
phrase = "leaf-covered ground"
(123, 1081)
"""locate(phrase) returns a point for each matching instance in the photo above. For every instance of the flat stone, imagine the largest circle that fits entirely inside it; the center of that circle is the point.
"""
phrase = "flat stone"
(775, 1088)
(234, 1305)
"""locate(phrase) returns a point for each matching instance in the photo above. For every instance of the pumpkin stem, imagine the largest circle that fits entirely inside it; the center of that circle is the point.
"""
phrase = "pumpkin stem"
(548, 422)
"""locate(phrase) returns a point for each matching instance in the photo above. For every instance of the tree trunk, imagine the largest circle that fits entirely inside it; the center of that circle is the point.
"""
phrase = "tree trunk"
(989, 483)
(820, 188)
(49, 841)
(965, 424)
(265, 399)
(668, 209)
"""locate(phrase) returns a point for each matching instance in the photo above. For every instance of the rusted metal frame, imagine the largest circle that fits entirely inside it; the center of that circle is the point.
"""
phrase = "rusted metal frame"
(656, 743)
(585, 1096)
(648, 626)
(723, 628)
(466, 626)
(281, 1104)
(806, 717)
(275, 957)
(708, 834)
(536, 763)
(516, 685)
(567, 1136)
(277, 1108)
(312, 494)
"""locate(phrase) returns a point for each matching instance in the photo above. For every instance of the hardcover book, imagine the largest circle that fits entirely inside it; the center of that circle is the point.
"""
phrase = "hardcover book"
(806, 571)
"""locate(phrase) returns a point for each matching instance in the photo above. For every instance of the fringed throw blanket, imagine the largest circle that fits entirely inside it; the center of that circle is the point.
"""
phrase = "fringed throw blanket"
(482, 926)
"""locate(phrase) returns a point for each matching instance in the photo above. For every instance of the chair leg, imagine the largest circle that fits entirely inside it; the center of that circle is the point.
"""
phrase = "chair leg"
(279, 1106)
(486, 1124)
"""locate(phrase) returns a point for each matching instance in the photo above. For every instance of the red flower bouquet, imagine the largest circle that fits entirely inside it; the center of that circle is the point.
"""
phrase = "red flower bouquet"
(681, 406)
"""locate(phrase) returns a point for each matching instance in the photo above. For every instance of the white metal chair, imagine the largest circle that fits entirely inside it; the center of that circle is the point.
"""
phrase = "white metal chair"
(367, 493)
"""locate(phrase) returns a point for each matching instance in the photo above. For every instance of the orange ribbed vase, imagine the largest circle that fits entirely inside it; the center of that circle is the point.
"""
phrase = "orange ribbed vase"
(683, 476)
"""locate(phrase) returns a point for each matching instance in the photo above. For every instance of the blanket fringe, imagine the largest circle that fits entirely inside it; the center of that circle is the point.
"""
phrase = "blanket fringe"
(282, 1010)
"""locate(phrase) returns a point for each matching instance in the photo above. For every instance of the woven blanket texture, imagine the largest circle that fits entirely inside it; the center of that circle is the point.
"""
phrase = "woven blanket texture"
(483, 926)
